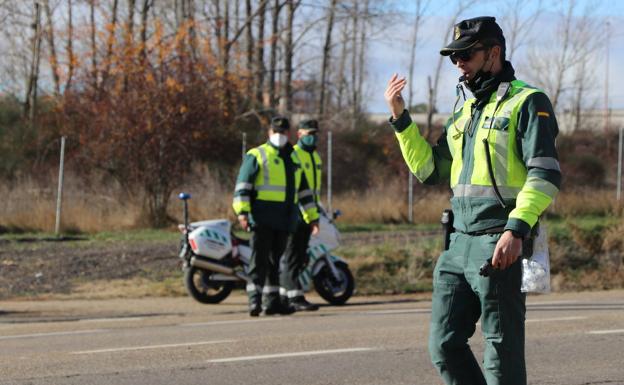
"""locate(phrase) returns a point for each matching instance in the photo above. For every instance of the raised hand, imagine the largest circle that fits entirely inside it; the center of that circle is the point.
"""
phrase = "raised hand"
(393, 95)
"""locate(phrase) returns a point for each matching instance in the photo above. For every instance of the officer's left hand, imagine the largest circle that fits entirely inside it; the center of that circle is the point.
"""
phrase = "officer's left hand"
(315, 228)
(508, 249)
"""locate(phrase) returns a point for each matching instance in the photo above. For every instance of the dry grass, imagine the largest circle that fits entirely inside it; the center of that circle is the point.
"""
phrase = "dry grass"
(30, 206)
(580, 202)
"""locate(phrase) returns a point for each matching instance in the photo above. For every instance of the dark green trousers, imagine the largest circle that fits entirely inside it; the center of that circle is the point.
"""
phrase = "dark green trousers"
(460, 297)
(267, 246)
(295, 259)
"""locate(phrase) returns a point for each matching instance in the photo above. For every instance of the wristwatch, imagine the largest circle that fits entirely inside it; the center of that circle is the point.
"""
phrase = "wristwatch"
(516, 234)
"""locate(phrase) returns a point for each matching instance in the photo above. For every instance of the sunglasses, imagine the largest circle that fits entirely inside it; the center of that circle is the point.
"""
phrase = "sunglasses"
(466, 54)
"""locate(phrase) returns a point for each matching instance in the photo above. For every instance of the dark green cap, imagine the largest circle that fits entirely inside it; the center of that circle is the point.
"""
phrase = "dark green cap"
(280, 124)
(469, 32)
(309, 124)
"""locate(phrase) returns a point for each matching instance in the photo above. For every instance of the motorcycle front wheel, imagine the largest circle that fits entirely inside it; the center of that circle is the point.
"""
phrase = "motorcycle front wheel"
(199, 286)
(335, 291)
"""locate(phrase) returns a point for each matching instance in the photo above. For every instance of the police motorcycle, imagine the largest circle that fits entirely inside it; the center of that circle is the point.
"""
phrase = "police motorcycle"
(215, 260)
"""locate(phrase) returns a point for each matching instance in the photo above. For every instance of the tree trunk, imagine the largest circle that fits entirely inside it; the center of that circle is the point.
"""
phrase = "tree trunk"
(413, 45)
(109, 43)
(144, 16)
(30, 101)
(94, 70)
(250, 53)
(288, 56)
(71, 59)
(342, 81)
(361, 59)
(273, 64)
(260, 69)
(54, 66)
(354, 64)
(326, 57)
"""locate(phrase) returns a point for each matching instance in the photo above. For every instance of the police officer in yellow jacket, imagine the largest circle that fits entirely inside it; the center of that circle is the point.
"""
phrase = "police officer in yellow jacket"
(269, 189)
(296, 257)
(498, 152)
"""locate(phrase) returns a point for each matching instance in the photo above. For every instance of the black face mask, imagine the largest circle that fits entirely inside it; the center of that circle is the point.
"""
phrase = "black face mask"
(480, 78)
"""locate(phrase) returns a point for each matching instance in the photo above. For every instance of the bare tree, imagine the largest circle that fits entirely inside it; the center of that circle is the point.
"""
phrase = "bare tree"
(71, 59)
(421, 6)
(326, 56)
(518, 22)
(94, 64)
(291, 7)
(260, 68)
(30, 102)
(54, 65)
(277, 6)
(110, 41)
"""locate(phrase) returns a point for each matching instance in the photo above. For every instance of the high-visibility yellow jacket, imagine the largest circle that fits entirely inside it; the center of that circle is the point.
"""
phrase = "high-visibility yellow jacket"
(312, 166)
(520, 137)
(270, 188)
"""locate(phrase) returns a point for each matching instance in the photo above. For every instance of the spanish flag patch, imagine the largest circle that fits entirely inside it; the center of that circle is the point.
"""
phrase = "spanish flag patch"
(543, 113)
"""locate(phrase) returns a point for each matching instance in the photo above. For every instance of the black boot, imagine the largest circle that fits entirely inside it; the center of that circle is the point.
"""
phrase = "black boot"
(278, 308)
(254, 309)
(300, 304)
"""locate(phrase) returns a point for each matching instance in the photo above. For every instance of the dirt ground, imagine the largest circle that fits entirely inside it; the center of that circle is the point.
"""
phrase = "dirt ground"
(42, 268)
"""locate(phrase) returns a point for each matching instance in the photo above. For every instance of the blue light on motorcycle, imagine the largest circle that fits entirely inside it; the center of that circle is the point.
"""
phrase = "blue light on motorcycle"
(184, 196)
(337, 213)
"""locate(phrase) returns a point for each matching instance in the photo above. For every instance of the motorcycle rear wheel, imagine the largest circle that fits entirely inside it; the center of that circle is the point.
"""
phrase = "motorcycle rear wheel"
(336, 292)
(202, 289)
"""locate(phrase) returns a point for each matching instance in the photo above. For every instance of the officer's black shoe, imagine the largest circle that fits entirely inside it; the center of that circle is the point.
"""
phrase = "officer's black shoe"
(254, 310)
(300, 304)
(278, 308)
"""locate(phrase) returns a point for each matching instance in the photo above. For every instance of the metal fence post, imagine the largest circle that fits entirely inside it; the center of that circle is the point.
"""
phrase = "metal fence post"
(329, 173)
(619, 168)
(410, 198)
(59, 196)
(244, 145)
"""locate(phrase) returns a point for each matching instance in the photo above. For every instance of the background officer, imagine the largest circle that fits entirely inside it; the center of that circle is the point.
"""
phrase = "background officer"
(268, 191)
(296, 257)
(498, 151)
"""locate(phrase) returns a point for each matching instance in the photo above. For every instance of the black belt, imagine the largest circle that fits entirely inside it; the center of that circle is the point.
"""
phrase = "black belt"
(493, 230)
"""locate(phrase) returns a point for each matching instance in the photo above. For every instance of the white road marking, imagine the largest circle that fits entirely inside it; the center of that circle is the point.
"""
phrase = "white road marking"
(130, 348)
(614, 331)
(52, 334)
(550, 302)
(550, 319)
(398, 311)
(295, 354)
(116, 319)
(555, 319)
(233, 322)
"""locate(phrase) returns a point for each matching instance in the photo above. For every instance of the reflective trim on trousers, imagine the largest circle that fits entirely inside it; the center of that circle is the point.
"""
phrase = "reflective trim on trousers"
(545, 163)
(305, 193)
(270, 289)
(470, 190)
(251, 288)
(309, 206)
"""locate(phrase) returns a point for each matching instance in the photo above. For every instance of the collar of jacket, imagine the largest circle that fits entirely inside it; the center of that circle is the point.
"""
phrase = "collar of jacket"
(485, 89)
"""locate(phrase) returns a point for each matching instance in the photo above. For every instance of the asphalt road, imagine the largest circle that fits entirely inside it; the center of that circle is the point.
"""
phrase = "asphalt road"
(573, 338)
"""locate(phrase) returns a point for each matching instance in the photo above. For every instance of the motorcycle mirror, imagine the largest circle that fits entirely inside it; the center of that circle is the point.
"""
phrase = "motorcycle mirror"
(184, 196)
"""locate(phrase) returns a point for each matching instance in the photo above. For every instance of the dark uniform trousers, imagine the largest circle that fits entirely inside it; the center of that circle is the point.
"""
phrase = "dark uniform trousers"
(295, 259)
(460, 297)
(267, 246)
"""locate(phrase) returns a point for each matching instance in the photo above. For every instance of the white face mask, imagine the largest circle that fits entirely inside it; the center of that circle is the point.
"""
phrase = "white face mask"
(278, 140)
